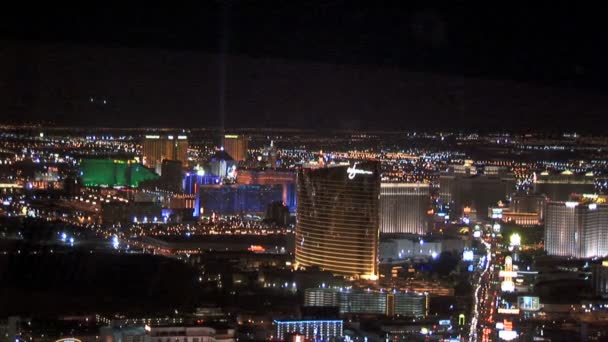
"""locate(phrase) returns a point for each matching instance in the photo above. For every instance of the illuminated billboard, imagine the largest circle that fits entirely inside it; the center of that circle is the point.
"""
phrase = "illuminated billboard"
(468, 256)
(508, 311)
(496, 213)
(528, 303)
(507, 335)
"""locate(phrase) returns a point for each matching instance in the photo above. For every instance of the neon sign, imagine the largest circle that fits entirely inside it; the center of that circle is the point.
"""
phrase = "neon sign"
(353, 171)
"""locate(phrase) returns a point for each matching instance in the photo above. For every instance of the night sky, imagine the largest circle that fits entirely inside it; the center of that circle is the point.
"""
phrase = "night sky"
(326, 64)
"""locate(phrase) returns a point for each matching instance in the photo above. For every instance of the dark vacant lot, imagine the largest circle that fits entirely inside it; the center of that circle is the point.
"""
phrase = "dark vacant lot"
(75, 281)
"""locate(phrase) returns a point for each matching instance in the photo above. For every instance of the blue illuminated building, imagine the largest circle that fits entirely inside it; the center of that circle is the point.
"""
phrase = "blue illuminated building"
(272, 177)
(193, 180)
(290, 197)
(313, 330)
(237, 199)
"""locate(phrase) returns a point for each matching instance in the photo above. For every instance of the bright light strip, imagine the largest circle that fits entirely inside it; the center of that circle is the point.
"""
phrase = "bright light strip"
(507, 335)
(507, 286)
(508, 311)
(571, 204)
(509, 274)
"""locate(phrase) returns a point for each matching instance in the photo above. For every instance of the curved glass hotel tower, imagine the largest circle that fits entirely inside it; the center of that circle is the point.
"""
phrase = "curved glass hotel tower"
(338, 220)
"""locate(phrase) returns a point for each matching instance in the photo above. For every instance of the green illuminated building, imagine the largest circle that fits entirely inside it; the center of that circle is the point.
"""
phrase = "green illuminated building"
(111, 173)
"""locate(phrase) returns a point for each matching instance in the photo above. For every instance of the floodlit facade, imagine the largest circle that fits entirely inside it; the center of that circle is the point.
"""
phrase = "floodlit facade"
(287, 179)
(237, 199)
(156, 148)
(576, 229)
(111, 173)
(403, 208)
(338, 219)
(236, 146)
(321, 298)
(313, 330)
(381, 303)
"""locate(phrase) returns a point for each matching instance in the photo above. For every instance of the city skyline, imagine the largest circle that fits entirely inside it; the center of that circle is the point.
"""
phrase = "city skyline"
(318, 171)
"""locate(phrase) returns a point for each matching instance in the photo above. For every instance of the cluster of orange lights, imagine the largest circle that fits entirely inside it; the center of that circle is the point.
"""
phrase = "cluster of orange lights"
(256, 249)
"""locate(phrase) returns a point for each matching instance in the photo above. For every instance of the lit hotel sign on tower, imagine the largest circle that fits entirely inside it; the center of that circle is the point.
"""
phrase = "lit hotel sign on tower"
(353, 172)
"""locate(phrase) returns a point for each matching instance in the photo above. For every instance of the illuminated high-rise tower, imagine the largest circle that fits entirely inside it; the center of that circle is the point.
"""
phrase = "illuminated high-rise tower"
(338, 220)
(156, 148)
(236, 146)
(577, 228)
(466, 185)
(403, 208)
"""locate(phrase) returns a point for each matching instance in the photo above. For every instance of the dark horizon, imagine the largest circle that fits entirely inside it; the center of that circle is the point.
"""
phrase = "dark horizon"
(409, 67)
(161, 88)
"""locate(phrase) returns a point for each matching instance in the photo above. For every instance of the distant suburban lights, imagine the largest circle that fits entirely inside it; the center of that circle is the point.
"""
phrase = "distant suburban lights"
(170, 137)
(182, 137)
(152, 136)
(231, 136)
